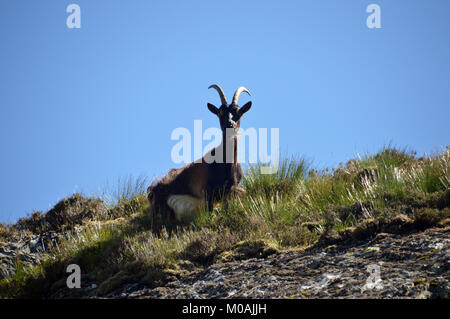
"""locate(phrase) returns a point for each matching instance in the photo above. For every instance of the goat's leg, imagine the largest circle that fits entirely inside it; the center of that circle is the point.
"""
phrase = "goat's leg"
(207, 201)
(210, 202)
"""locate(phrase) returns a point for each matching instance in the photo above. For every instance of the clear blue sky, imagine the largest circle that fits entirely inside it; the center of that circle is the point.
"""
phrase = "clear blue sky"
(82, 107)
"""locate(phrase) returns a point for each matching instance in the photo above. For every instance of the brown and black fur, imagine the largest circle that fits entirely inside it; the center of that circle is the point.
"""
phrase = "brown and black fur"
(208, 182)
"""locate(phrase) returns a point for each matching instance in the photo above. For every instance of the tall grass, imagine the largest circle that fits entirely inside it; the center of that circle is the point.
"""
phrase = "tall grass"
(289, 171)
(279, 203)
(290, 208)
(127, 197)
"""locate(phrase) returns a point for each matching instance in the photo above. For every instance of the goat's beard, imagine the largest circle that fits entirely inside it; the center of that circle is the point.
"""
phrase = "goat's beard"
(230, 144)
(231, 133)
(238, 134)
(225, 152)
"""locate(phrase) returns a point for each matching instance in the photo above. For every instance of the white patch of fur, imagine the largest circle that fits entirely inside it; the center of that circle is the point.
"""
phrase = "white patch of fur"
(184, 206)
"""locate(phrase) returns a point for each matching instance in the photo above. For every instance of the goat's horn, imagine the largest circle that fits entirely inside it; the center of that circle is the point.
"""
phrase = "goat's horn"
(222, 95)
(238, 92)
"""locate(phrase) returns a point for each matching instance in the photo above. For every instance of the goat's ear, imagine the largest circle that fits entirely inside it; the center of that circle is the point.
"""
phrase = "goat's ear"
(213, 109)
(245, 108)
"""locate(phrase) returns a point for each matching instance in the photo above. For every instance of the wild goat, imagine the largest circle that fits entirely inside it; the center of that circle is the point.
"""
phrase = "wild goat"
(180, 193)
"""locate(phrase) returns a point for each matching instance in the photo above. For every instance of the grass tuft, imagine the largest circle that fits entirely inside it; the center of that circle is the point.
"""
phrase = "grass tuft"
(295, 207)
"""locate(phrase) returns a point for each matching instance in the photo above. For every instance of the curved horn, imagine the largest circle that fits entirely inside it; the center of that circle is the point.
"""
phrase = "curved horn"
(238, 92)
(220, 91)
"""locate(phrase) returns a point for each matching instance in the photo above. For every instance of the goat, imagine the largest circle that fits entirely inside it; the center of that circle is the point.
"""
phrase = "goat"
(180, 193)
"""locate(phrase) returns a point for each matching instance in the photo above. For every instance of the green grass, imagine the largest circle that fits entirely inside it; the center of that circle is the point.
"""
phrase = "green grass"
(295, 207)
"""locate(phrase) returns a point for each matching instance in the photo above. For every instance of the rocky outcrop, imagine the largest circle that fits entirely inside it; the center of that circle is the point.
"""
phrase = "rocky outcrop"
(413, 265)
(387, 265)
(26, 251)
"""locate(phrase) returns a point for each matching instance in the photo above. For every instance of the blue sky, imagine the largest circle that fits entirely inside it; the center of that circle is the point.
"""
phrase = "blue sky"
(82, 107)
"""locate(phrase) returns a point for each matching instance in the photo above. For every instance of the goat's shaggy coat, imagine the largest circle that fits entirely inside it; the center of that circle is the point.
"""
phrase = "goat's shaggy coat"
(180, 193)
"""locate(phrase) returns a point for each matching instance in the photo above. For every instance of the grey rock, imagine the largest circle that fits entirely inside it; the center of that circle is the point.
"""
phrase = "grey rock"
(411, 266)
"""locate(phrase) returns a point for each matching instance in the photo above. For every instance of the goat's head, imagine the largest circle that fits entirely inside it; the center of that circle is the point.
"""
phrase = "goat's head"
(229, 115)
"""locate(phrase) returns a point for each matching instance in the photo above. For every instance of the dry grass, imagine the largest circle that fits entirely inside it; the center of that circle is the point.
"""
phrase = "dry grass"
(296, 207)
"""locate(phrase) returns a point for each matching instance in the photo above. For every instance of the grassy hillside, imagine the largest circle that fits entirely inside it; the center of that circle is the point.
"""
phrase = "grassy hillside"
(391, 191)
